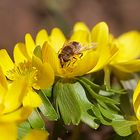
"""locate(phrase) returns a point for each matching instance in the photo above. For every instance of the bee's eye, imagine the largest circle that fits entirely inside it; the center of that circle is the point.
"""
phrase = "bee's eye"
(60, 55)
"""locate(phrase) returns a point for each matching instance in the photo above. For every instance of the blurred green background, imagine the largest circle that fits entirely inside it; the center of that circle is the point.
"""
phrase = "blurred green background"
(17, 17)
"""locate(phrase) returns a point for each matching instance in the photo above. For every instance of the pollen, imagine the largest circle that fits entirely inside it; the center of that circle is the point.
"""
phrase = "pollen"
(24, 70)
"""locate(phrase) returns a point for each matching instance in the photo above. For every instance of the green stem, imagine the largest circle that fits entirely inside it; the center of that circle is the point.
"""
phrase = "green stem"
(90, 83)
(107, 78)
(94, 95)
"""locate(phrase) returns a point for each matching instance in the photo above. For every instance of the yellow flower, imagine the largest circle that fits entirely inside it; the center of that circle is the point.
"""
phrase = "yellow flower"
(127, 59)
(91, 54)
(37, 74)
(12, 110)
(136, 104)
(36, 135)
(8, 131)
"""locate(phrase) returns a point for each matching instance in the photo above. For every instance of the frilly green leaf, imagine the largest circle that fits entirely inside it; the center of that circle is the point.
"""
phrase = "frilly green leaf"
(124, 127)
(36, 120)
(46, 108)
(73, 104)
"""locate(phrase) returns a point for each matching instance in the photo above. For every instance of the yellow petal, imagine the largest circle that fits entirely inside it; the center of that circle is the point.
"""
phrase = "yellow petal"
(3, 82)
(30, 44)
(57, 39)
(100, 33)
(13, 98)
(136, 92)
(136, 97)
(36, 135)
(8, 131)
(49, 55)
(80, 26)
(138, 112)
(41, 37)
(32, 99)
(104, 57)
(130, 44)
(129, 66)
(45, 73)
(3, 88)
(18, 115)
(80, 36)
(1, 108)
(20, 53)
(5, 61)
(138, 127)
(136, 100)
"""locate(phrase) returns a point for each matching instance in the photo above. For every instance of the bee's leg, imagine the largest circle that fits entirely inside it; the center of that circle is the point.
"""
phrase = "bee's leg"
(75, 59)
(61, 62)
(80, 55)
(68, 63)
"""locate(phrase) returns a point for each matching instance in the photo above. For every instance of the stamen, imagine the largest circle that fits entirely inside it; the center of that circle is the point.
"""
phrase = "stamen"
(25, 70)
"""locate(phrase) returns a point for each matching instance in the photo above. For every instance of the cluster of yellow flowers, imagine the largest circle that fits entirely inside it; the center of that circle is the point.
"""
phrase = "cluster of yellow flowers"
(37, 63)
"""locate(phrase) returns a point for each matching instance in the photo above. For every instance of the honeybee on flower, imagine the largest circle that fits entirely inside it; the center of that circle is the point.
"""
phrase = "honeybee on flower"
(69, 57)
(71, 50)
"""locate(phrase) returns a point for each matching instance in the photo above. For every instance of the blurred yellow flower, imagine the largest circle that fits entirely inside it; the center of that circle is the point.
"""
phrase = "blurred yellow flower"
(12, 109)
(36, 135)
(83, 53)
(8, 131)
(127, 59)
(136, 104)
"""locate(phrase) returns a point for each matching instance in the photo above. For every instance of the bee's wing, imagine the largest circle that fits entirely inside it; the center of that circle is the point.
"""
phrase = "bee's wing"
(88, 46)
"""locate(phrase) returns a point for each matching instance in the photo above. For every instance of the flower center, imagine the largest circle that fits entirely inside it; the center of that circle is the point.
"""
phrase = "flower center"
(24, 70)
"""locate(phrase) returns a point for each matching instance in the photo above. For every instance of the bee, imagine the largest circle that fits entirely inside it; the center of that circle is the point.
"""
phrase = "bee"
(70, 50)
